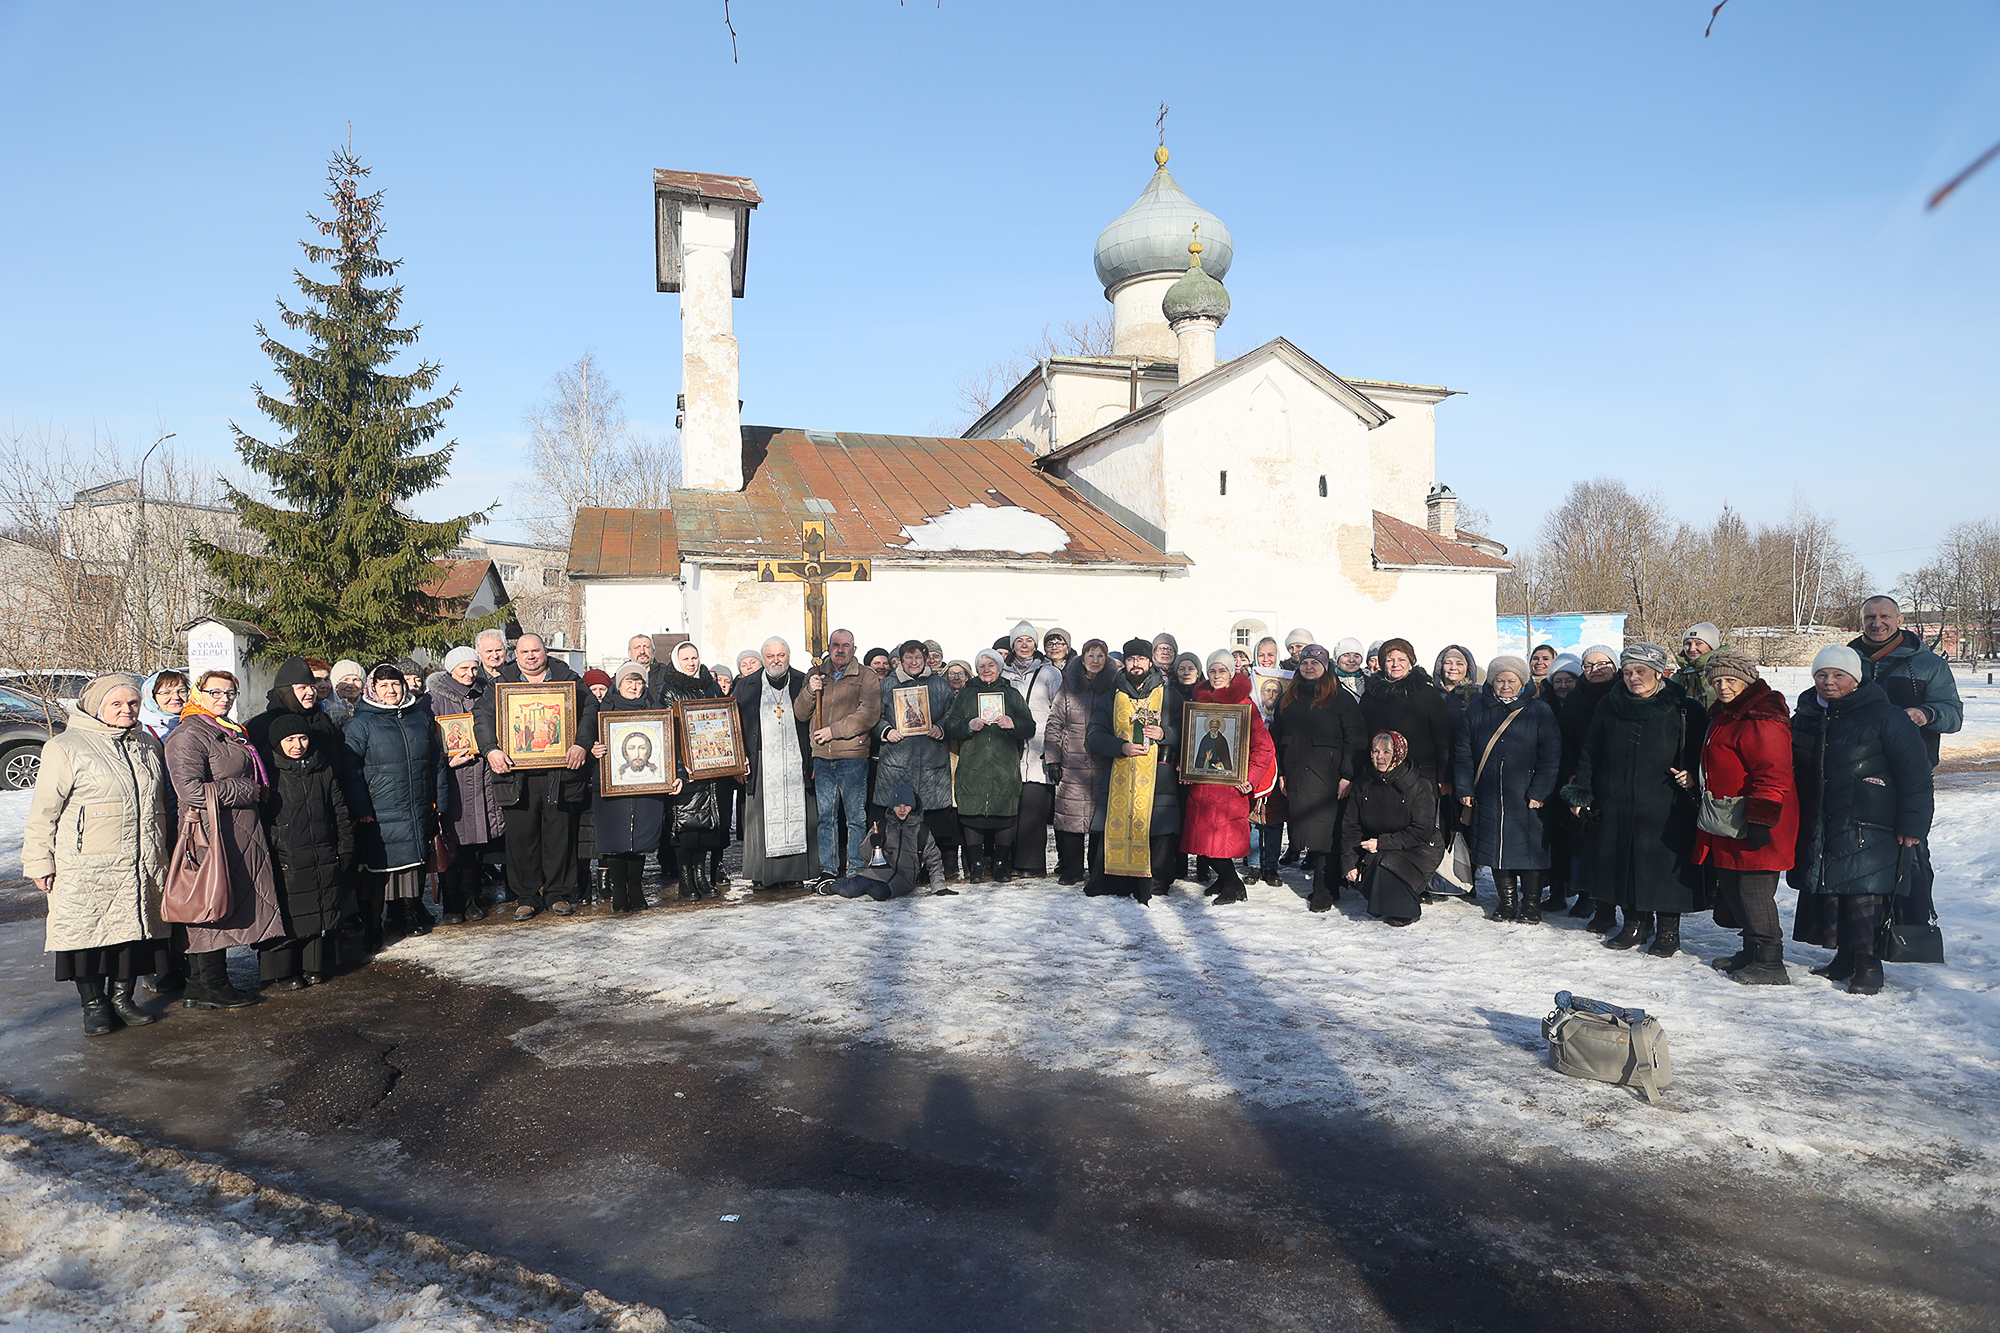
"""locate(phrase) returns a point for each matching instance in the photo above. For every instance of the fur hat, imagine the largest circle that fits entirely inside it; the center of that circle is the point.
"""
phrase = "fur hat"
(1143, 647)
(1408, 649)
(1647, 654)
(1569, 662)
(1706, 632)
(1508, 662)
(1730, 662)
(1839, 657)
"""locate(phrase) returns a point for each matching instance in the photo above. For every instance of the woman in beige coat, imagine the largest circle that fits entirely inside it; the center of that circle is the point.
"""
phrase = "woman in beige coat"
(96, 843)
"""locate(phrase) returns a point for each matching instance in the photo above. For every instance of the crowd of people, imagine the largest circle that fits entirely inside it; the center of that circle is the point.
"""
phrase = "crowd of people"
(1640, 785)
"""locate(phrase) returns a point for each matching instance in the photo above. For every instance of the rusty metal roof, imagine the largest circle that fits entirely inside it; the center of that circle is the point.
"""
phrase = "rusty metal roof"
(1407, 546)
(457, 580)
(624, 544)
(704, 185)
(868, 488)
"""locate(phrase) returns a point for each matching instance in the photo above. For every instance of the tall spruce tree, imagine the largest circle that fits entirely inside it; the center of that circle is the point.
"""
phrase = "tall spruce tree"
(342, 572)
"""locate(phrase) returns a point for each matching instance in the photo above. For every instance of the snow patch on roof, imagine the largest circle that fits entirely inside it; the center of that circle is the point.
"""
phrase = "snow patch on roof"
(981, 527)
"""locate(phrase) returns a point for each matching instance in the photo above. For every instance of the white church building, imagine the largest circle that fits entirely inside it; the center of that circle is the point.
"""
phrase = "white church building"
(1121, 495)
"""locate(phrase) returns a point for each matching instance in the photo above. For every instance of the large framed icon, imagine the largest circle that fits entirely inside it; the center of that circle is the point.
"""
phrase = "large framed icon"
(1215, 743)
(711, 735)
(537, 722)
(639, 752)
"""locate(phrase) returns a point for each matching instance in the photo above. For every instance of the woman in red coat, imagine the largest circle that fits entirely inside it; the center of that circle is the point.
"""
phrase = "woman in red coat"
(1748, 757)
(1216, 825)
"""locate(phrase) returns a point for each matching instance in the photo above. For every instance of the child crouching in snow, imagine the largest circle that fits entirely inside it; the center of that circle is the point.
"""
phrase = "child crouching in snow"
(905, 849)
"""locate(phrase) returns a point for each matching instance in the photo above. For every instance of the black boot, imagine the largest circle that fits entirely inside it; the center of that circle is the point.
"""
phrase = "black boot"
(1666, 935)
(417, 918)
(1203, 873)
(1507, 886)
(718, 877)
(690, 889)
(1582, 906)
(1602, 919)
(1557, 900)
(949, 852)
(1531, 898)
(127, 1007)
(1837, 968)
(704, 876)
(1765, 968)
(1867, 978)
(1002, 866)
(1229, 886)
(975, 867)
(98, 1020)
(1741, 958)
(1324, 891)
(1638, 925)
(208, 983)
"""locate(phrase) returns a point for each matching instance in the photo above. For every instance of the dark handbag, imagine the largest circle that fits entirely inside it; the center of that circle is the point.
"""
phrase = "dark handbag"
(197, 891)
(694, 811)
(1908, 941)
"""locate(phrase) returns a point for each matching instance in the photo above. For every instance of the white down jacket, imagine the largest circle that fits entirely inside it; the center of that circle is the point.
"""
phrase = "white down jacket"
(1036, 681)
(99, 824)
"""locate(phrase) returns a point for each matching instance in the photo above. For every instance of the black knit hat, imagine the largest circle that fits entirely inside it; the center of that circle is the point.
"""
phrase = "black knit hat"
(288, 724)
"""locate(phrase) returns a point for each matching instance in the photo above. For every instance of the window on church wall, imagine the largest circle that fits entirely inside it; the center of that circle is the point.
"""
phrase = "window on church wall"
(1246, 633)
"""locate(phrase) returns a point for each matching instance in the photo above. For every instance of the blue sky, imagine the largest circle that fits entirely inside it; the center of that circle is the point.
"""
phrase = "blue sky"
(1701, 266)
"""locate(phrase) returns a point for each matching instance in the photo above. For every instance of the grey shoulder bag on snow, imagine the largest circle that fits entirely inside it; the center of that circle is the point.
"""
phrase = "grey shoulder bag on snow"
(1589, 1039)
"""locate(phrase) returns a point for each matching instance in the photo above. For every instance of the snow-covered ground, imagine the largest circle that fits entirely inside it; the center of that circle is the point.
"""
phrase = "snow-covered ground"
(99, 1233)
(1435, 1026)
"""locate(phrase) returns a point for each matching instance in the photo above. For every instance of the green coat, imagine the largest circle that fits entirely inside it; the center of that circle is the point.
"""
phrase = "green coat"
(989, 760)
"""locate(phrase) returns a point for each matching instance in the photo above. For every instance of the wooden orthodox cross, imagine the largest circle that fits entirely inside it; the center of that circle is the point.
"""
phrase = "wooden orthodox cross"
(815, 571)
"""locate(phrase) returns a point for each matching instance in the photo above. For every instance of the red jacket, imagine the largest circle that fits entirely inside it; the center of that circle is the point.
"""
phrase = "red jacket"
(1748, 752)
(1217, 820)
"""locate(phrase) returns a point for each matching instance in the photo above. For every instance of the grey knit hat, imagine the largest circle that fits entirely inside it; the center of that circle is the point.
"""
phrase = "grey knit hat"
(1649, 655)
(1731, 662)
(1569, 662)
(1222, 655)
(1509, 662)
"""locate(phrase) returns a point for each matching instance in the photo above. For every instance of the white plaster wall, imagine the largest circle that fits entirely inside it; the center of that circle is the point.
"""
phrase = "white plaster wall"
(1072, 406)
(613, 611)
(1130, 470)
(1404, 457)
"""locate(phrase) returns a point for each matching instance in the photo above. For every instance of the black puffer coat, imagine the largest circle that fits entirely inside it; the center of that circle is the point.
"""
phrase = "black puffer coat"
(1321, 742)
(1524, 766)
(1415, 709)
(1637, 843)
(395, 773)
(281, 699)
(311, 840)
(698, 815)
(1864, 779)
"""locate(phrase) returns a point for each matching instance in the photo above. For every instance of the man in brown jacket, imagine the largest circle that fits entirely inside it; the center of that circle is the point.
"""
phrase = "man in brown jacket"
(847, 703)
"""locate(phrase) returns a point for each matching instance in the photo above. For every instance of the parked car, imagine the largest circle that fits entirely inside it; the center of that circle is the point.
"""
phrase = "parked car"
(62, 684)
(26, 723)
